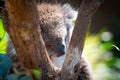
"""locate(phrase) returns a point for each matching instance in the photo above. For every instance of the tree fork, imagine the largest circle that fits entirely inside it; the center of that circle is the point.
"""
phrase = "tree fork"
(22, 24)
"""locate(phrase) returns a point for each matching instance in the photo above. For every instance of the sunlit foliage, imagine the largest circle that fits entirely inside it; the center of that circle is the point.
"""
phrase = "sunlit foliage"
(98, 48)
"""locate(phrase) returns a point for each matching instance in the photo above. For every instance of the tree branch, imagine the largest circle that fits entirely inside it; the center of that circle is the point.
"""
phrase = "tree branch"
(86, 11)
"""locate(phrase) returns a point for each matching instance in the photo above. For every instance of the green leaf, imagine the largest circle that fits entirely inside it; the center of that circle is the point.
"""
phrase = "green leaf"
(37, 73)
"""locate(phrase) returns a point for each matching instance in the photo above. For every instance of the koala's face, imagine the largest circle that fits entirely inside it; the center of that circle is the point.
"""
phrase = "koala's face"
(53, 29)
(56, 24)
(55, 42)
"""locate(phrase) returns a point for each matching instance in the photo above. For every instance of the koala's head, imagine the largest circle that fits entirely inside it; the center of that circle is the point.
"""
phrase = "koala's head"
(53, 28)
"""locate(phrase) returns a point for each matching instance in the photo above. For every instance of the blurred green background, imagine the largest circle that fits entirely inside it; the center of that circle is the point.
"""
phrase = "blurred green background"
(103, 42)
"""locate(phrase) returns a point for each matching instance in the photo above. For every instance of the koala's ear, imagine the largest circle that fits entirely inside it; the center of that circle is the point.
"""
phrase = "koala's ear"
(69, 12)
(70, 16)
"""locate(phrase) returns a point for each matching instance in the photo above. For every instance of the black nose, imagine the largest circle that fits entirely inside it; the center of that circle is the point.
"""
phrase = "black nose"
(61, 50)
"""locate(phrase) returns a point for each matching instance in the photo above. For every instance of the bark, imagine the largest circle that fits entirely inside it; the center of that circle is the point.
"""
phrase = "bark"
(22, 23)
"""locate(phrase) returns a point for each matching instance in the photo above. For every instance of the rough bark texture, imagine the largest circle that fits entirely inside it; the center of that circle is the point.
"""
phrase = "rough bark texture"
(22, 24)
(23, 29)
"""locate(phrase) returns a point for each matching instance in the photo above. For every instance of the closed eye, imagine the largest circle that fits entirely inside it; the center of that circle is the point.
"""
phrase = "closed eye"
(50, 46)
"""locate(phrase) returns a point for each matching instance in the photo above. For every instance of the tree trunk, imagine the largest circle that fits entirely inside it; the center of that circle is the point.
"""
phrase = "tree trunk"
(22, 23)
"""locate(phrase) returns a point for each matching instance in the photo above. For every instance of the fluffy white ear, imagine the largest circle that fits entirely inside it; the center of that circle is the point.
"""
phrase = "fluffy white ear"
(70, 16)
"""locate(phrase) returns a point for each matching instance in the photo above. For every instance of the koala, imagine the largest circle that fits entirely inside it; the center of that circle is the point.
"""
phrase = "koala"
(53, 29)
(56, 23)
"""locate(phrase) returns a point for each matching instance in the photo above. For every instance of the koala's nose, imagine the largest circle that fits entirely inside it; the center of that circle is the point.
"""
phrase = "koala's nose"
(62, 50)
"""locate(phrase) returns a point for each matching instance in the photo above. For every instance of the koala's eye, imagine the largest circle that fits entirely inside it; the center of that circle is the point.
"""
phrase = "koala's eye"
(50, 46)
(69, 16)
(59, 39)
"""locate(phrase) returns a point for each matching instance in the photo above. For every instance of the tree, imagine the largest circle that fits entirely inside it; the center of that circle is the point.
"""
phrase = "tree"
(22, 23)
